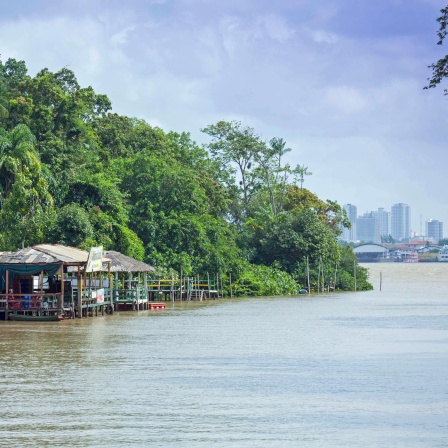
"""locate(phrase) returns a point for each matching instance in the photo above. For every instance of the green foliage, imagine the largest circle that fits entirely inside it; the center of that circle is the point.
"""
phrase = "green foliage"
(387, 239)
(237, 145)
(72, 226)
(127, 242)
(264, 281)
(347, 266)
(290, 237)
(25, 202)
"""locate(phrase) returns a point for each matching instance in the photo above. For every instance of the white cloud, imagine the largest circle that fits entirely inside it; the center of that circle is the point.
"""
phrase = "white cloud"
(346, 99)
(321, 36)
(277, 28)
(121, 37)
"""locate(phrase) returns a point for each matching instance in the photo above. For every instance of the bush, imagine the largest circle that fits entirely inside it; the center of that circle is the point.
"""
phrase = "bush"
(264, 281)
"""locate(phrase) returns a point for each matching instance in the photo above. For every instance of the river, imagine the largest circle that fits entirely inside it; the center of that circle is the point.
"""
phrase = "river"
(367, 369)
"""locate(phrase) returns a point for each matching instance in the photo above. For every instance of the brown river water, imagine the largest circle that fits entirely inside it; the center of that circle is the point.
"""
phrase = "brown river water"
(367, 369)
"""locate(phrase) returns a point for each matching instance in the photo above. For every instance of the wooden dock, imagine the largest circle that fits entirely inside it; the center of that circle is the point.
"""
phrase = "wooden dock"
(50, 280)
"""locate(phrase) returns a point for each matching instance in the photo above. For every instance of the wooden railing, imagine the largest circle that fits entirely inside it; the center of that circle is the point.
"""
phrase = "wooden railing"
(32, 301)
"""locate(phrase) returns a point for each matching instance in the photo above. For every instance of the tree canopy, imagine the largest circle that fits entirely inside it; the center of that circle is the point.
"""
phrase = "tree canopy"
(74, 172)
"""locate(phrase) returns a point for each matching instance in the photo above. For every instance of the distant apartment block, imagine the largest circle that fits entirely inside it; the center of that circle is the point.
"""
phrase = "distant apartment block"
(367, 228)
(352, 213)
(373, 225)
(434, 230)
(400, 221)
(383, 222)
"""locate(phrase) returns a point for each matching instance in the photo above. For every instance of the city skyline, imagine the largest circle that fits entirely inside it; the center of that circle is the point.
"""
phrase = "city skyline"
(417, 220)
(373, 225)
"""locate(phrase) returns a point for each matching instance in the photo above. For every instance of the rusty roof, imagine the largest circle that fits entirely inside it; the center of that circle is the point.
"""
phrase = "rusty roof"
(123, 263)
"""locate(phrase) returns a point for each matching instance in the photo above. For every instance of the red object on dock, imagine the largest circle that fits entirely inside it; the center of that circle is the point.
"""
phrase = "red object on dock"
(157, 306)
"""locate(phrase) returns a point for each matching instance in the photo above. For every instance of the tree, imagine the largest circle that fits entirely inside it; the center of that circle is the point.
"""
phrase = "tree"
(440, 68)
(290, 237)
(272, 175)
(17, 154)
(72, 226)
(387, 239)
(301, 171)
(235, 144)
(25, 202)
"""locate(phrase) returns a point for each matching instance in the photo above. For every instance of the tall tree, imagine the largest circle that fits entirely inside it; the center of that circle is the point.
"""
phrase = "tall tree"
(25, 203)
(301, 171)
(237, 145)
(273, 175)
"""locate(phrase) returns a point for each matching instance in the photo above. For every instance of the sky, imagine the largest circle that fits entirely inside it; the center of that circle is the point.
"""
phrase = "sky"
(340, 80)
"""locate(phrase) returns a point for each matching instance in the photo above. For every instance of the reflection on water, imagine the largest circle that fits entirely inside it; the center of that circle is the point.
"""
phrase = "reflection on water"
(340, 370)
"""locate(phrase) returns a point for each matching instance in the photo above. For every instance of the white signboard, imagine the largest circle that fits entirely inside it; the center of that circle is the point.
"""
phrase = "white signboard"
(100, 296)
(94, 262)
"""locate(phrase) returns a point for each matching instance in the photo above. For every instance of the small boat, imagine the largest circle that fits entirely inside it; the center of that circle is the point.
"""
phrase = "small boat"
(411, 257)
(31, 318)
(303, 291)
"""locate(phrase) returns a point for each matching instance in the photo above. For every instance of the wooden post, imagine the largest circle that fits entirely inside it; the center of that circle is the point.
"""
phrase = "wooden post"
(318, 278)
(115, 296)
(335, 273)
(137, 292)
(109, 285)
(308, 274)
(129, 290)
(181, 284)
(145, 287)
(7, 294)
(84, 286)
(323, 279)
(104, 294)
(62, 286)
(230, 281)
(217, 283)
(208, 284)
(79, 294)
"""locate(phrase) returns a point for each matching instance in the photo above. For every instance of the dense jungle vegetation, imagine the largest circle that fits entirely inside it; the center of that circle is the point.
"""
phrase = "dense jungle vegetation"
(73, 172)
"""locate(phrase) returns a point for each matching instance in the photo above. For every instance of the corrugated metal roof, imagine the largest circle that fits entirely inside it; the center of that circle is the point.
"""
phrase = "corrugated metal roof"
(66, 254)
(28, 255)
(123, 263)
(56, 253)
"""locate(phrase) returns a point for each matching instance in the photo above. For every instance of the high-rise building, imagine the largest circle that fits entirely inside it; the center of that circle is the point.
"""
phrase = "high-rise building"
(383, 222)
(367, 228)
(352, 213)
(434, 230)
(400, 221)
